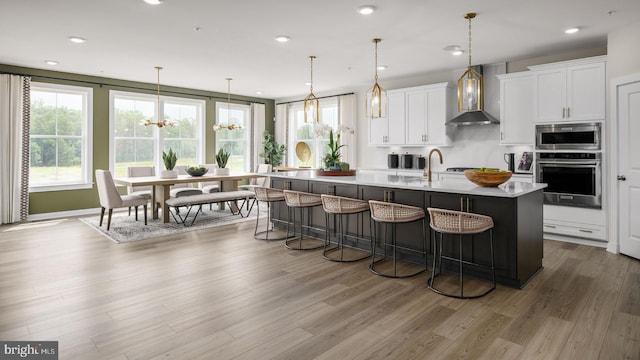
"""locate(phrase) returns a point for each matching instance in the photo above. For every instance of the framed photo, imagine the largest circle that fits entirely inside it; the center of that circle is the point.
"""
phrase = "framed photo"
(525, 162)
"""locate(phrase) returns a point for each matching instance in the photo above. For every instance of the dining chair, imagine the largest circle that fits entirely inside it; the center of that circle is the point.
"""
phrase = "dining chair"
(142, 191)
(179, 190)
(210, 186)
(110, 198)
(261, 181)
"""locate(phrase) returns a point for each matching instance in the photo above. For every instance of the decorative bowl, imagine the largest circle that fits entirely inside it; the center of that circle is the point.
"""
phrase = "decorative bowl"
(196, 170)
(487, 178)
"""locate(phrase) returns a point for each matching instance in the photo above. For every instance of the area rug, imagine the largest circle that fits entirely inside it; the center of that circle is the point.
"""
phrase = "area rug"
(125, 229)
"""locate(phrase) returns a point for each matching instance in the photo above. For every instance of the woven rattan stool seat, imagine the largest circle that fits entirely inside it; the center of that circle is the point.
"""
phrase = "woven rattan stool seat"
(458, 222)
(394, 213)
(268, 194)
(301, 199)
(340, 209)
(343, 205)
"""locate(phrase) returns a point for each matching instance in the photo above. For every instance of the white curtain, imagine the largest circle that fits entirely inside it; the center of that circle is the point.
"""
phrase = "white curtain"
(280, 130)
(14, 148)
(257, 121)
(347, 114)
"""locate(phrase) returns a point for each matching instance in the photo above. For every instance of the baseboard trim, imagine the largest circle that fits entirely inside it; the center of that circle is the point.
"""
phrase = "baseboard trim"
(63, 214)
(574, 240)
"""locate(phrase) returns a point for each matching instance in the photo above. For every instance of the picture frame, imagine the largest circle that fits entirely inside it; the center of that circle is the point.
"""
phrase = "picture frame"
(526, 162)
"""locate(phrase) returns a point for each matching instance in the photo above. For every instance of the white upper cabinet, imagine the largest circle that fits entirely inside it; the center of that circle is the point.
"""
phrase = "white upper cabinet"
(426, 111)
(390, 130)
(417, 116)
(516, 108)
(570, 90)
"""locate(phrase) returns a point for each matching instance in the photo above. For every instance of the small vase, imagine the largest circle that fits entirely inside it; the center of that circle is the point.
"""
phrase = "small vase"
(168, 174)
(222, 171)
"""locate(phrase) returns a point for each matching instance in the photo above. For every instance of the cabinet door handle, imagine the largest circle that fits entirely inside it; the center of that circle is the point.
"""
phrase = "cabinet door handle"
(586, 231)
(568, 112)
(461, 204)
(549, 226)
(563, 111)
(468, 205)
(426, 137)
(501, 135)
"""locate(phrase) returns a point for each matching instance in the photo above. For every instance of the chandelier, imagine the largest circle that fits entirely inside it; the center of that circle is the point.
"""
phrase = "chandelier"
(470, 94)
(163, 123)
(229, 125)
(311, 102)
(376, 96)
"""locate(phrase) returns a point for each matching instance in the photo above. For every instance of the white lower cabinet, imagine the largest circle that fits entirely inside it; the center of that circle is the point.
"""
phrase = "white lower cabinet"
(575, 222)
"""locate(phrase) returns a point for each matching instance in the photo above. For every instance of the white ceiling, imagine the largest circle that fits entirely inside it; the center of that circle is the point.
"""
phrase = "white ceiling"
(127, 38)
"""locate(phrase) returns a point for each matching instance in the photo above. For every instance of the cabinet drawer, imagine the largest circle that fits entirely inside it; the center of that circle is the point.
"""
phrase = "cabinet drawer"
(587, 231)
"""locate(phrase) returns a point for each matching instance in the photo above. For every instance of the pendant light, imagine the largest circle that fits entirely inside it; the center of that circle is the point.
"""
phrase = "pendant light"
(376, 96)
(311, 102)
(229, 125)
(470, 94)
(163, 123)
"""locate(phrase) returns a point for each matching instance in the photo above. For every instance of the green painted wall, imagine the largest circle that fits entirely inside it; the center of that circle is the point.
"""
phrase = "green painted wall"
(58, 201)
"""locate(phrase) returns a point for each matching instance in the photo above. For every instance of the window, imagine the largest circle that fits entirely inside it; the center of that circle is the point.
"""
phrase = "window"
(318, 141)
(60, 137)
(134, 144)
(237, 141)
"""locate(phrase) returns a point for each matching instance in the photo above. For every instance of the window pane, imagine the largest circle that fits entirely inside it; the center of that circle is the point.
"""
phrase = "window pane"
(129, 116)
(235, 141)
(59, 126)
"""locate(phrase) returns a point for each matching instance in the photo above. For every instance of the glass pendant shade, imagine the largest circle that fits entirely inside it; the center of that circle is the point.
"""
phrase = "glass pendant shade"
(377, 99)
(470, 96)
(311, 102)
(377, 102)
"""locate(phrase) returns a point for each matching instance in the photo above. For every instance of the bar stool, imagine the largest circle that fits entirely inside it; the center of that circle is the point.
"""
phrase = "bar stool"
(266, 195)
(341, 207)
(300, 200)
(461, 223)
(392, 213)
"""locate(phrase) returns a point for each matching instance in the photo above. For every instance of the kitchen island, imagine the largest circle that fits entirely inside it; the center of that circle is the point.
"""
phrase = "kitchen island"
(516, 209)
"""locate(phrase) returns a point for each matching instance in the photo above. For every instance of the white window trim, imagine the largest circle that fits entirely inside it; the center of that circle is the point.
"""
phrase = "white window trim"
(159, 137)
(248, 129)
(87, 136)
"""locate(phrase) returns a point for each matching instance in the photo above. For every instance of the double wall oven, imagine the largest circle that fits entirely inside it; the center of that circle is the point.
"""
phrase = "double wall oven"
(569, 161)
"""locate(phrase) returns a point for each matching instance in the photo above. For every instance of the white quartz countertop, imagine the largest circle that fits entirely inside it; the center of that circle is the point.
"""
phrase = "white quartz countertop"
(461, 186)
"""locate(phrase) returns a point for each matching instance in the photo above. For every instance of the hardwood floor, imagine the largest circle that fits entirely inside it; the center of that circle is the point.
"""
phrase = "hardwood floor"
(220, 294)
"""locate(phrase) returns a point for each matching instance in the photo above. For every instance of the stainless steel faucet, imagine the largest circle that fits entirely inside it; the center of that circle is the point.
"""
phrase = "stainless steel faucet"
(428, 170)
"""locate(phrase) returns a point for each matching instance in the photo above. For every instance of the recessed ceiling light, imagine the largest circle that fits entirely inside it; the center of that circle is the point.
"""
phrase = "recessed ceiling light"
(77, 39)
(51, 62)
(455, 50)
(259, 92)
(154, 2)
(382, 67)
(572, 30)
(307, 83)
(366, 9)
(282, 38)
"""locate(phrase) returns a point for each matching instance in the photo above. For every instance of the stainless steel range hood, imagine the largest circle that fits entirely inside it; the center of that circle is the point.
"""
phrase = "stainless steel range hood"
(473, 118)
(478, 117)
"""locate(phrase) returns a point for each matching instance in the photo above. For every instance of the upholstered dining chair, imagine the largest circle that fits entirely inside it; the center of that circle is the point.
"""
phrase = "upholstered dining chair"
(110, 198)
(179, 190)
(142, 191)
(261, 181)
(210, 186)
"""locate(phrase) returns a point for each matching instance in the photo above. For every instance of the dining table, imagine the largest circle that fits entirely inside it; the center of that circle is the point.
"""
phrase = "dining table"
(161, 187)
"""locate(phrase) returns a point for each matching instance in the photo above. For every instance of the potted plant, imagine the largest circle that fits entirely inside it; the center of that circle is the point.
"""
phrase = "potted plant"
(169, 160)
(222, 157)
(272, 153)
(332, 158)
